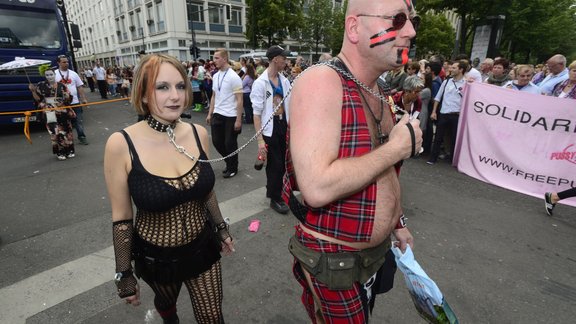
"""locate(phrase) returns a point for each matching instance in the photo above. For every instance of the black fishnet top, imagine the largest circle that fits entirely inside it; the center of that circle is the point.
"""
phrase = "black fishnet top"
(170, 211)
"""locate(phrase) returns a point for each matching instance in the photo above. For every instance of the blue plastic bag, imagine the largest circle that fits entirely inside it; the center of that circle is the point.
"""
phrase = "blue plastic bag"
(426, 295)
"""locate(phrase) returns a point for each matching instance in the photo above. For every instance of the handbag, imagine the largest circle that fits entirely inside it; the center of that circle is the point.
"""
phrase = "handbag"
(427, 297)
(51, 116)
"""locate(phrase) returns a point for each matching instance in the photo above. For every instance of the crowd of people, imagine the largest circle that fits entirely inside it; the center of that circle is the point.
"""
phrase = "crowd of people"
(443, 81)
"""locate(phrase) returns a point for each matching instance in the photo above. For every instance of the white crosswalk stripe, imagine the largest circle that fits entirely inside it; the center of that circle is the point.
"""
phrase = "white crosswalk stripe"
(51, 287)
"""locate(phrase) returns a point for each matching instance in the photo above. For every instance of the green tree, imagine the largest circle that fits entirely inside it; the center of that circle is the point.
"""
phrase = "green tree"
(534, 29)
(268, 22)
(469, 11)
(335, 34)
(435, 36)
(538, 29)
(316, 27)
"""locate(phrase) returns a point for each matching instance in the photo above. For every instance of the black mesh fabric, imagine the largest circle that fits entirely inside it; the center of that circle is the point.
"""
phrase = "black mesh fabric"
(214, 210)
(122, 235)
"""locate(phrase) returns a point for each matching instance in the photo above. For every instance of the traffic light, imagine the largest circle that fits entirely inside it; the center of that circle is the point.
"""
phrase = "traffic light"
(228, 9)
(194, 51)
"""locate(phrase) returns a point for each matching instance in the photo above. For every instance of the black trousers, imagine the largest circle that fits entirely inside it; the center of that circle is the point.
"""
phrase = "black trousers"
(90, 84)
(103, 88)
(276, 158)
(447, 123)
(225, 139)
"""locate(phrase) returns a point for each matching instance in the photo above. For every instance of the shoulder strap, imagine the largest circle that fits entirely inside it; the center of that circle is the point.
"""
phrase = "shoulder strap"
(198, 140)
(133, 154)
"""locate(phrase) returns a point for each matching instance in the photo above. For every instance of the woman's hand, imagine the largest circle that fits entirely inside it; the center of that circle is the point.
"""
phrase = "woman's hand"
(134, 300)
(228, 246)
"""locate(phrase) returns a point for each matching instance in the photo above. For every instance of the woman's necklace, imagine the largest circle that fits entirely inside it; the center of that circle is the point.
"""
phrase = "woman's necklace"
(158, 126)
(169, 130)
(381, 137)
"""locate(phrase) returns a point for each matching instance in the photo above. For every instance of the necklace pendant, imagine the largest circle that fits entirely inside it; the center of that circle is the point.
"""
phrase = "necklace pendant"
(382, 138)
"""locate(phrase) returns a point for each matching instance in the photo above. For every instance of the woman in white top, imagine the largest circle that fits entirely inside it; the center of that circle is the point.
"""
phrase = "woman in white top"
(522, 83)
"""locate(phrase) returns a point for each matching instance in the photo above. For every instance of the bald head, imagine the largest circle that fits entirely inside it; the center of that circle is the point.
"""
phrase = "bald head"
(556, 63)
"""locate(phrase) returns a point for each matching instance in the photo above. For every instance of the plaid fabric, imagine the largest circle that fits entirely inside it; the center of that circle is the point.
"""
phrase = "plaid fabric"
(560, 87)
(337, 306)
(350, 219)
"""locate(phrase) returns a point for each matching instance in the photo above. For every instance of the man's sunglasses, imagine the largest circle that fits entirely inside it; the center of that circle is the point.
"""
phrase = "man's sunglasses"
(398, 20)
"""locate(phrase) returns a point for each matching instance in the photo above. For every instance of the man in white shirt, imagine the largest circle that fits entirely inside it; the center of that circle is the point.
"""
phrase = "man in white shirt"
(74, 84)
(449, 97)
(100, 75)
(267, 92)
(558, 73)
(471, 74)
(225, 114)
(89, 78)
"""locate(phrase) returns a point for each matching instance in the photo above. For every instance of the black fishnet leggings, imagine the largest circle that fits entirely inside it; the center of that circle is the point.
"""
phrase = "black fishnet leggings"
(205, 293)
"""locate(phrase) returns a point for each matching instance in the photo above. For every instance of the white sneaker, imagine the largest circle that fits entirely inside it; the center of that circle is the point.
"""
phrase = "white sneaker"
(61, 157)
(71, 155)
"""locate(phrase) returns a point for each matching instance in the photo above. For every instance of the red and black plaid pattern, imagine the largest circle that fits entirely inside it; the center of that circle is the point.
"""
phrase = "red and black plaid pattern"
(337, 306)
(350, 219)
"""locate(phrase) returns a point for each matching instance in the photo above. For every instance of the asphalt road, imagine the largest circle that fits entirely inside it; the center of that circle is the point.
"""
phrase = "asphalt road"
(494, 253)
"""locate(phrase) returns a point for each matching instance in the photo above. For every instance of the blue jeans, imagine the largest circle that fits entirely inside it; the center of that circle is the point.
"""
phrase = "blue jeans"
(112, 89)
(77, 122)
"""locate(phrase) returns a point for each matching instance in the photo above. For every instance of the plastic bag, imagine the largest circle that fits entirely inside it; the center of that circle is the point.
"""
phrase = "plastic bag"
(426, 295)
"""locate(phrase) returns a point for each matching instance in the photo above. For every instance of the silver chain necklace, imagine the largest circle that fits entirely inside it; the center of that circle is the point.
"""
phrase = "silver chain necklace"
(181, 149)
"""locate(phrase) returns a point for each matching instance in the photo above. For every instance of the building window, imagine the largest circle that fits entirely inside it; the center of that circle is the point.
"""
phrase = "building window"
(181, 43)
(216, 15)
(236, 17)
(151, 25)
(195, 12)
(160, 15)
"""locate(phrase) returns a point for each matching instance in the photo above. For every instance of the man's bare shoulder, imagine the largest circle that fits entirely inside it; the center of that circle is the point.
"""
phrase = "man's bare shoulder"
(317, 77)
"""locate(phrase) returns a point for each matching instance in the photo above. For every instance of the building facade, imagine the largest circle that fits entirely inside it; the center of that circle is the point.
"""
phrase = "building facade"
(114, 31)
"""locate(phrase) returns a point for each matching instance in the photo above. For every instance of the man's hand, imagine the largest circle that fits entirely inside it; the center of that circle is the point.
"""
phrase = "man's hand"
(401, 135)
(404, 238)
(238, 125)
(262, 150)
(209, 119)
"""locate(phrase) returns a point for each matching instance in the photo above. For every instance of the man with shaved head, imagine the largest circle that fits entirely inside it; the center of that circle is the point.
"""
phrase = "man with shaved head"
(344, 157)
(557, 73)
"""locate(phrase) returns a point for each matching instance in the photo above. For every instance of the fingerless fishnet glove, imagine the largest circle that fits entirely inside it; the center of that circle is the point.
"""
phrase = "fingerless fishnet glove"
(122, 232)
(214, 210)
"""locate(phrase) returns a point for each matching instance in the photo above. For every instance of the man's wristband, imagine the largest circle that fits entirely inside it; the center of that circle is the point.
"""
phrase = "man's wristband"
(401, 222)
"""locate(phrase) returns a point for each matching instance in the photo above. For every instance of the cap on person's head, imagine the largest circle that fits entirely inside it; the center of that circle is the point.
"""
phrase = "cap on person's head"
(276, 50)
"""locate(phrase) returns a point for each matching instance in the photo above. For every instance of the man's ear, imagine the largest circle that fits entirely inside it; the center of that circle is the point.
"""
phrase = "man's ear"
(351, 29)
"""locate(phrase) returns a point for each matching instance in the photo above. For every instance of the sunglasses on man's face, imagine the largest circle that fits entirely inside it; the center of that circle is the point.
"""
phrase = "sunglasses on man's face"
(398, 20)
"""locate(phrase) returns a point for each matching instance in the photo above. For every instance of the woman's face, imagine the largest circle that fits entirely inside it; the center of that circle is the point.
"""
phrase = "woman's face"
(294, 73)
(498, 70)
(170, 92)
(50, 76)
(524, 76)
(572, 74)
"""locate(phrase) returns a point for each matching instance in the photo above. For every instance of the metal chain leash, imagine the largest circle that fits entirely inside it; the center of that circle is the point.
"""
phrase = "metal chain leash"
(348, 75)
